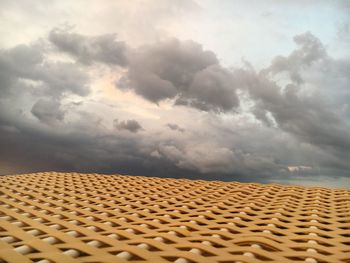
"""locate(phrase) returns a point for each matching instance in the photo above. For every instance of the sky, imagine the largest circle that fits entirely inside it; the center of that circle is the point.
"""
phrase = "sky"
(248, 91)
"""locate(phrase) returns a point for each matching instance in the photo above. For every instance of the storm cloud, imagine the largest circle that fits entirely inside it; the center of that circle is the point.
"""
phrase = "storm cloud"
(26, 65)
(300, 111)
(182, 71)
(48, 111)
(176, 104)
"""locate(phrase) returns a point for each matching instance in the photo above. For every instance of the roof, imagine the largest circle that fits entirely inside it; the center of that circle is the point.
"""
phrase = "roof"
(72, 217)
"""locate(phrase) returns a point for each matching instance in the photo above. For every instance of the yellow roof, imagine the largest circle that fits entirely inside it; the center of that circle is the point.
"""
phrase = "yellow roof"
(72, 217)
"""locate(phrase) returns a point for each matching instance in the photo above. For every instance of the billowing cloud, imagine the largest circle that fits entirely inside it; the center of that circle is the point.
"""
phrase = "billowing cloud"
(78, 102)
(295, 107)
(212, 89)
(11, 70)
(183, 71)
(87, 50)
(25, 64)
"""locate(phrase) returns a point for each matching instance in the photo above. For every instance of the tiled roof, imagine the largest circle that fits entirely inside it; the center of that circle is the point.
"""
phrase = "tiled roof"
(72, 217)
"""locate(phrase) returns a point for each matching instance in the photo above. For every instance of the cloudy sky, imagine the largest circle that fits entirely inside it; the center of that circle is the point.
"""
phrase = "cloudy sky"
(251, 91)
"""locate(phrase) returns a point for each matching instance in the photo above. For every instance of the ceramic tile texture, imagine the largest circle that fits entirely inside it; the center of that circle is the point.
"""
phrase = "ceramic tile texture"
(72, 217)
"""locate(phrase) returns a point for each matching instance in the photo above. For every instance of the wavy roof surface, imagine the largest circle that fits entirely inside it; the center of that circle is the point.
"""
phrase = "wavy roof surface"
(72, 217)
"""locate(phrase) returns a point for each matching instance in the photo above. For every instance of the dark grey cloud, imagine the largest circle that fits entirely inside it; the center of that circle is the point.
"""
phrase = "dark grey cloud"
(87, 50)
(308, 119)
(212, 89)
(128, 125)
(61, 78)
(48, 111)
(175, 127)
(299, 121)
(309, 116)
(15, 63)
(90, 147)
(25, 63)
(183, 71)
(81, 147)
